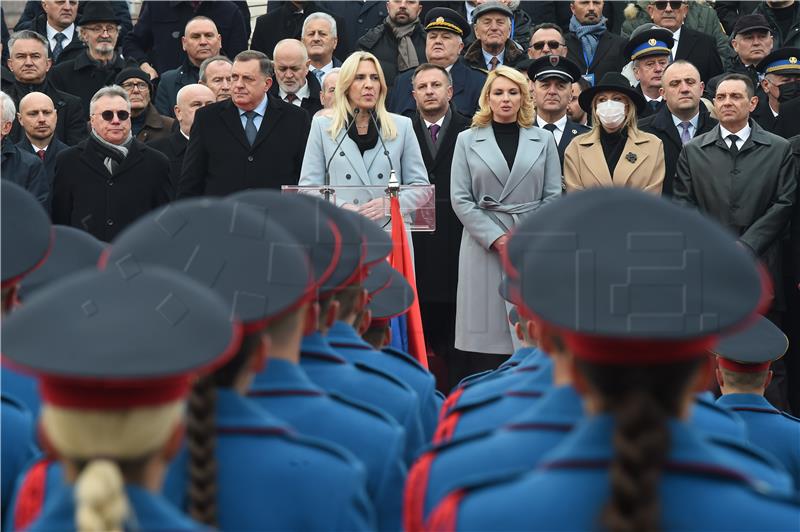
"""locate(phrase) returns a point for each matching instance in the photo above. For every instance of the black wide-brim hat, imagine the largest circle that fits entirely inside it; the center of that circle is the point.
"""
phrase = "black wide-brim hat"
(98, 12)
(612, 81)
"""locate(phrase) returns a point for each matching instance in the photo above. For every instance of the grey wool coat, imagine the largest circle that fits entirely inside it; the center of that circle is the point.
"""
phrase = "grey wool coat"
(490, 200)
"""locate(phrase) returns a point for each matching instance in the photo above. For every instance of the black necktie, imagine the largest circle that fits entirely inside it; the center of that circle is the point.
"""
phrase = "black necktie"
(654, 105)
(734, 149)
(551, 128)
(59, 37)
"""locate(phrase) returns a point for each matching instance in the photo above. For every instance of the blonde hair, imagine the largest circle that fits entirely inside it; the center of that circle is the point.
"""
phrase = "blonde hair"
(630, 113)
(525, 115)
(342, 108)
(85, 436)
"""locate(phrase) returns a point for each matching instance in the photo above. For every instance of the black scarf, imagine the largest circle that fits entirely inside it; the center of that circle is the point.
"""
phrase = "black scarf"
(366, 141)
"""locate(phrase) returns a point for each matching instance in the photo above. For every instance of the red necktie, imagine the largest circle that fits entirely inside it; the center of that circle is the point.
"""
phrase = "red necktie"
(493, 62)
(291, 97)
(41, 154)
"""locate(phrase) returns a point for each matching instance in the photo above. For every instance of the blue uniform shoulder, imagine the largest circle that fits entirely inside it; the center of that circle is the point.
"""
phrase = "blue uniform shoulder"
(364, 408)
(405, 357)
(14, 403)
(382, 374)
(790, 417)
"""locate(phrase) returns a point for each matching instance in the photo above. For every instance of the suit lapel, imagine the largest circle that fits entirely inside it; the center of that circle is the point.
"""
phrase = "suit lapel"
(602, 47)
(595, 160)
(133, 158)
(231, 119)
(685, 44)
(420, 132)
(458, 74)
(271, 118)
(529, 147)
(663, 121)
(485, 146)
(94, 160)
(625, 168)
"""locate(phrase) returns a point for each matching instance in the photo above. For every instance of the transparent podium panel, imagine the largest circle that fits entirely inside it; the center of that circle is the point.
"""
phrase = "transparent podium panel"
(417, 202)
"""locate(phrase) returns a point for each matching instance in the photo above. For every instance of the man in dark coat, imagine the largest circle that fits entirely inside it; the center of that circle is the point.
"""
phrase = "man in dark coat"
(649, 49)
(436, 126)
(111, 179)
(682, 118)
(190, 99)
(286, 22)
(38, 118)
(146, 123)
(56, 23)
(293, 83)
(493, 45)
(746, 179)
(752, 41)
(19, 166)
(781, 67)
(155, 42)
(445, 31)
(200, 41)
(252, 140)
(399, 41)
(590, 44)
(320, 37)
(100, 63)
(694, 46)
(29, 66)
(784, 20)
(357, 17)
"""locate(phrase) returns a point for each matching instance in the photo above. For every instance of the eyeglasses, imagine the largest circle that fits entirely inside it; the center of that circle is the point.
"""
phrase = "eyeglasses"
(553, 45)
(102, 29)
(662, 5)
(142, 86)
(108, 116)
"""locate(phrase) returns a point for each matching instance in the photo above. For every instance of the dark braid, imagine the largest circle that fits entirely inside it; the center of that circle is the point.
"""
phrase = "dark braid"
(642, 399)
(201, 437)
(201, 433)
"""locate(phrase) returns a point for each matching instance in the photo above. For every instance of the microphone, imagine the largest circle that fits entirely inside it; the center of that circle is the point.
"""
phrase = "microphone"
(394, 184)
(326, 191)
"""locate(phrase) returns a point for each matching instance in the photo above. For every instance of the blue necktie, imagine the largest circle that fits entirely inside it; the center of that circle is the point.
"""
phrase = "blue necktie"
(59, 37)
(250, 130)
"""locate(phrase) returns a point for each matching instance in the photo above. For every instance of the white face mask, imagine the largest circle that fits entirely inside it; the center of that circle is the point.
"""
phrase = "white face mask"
(611, 113)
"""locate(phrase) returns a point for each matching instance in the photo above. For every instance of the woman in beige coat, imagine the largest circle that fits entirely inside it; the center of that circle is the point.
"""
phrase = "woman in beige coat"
(614, 153)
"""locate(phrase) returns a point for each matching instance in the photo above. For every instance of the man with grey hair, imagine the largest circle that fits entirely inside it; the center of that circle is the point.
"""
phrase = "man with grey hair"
(287, 22)
(292, 82)
(253, 140)
(56, 22)
(29, 64)
(98, 28)
(109, 180)
(320, 36)
(21, 167)
(493, 45)
(326, 95)
(215, 73)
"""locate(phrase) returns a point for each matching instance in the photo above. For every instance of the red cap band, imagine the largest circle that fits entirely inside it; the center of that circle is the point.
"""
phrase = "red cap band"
(740, 367)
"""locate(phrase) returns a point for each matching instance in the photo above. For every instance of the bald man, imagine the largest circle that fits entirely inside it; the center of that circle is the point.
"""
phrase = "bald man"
(38, 118)
(293, 83)
(190, 98)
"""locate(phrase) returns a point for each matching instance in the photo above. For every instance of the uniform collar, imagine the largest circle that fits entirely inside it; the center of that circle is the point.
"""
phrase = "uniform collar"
(283, 375)
(341, 332)
(559, 405)
(316, 344)
(733, 400)
(519, 356)
(236, 412)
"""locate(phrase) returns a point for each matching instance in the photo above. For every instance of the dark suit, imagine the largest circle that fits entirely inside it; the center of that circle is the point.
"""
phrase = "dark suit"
(467, 85)
(171, 82)
(571, 130)
(648, 108)
(69, 52)
(312, 104)
(71, 125)
(609, 56)
(662, 126)
(174, 147)
(436, 254)
(50, 155)
(788, 123)
(26, 170)
(87, 196)
(381, 42)
(358, 18)
(220, 161)
(700, 50)
(82, 77)
(763, 114)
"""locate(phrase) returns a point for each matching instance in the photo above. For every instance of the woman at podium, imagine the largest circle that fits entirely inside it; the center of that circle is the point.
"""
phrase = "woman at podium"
(361, 143)
(503, 169)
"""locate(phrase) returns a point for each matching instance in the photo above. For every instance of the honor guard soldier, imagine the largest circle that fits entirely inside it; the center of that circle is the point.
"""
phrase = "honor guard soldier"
(634, 463)
(743, 374)
(114, 369)
(333, 370)
(242, 468)
(283, 388)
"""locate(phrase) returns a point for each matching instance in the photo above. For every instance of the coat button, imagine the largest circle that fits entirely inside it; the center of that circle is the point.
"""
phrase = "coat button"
(109, 222)
(734, 171)
(250, 158)
(355, 201)
(341, 154)
(110, 183)
(380, 176)
(347, 176)
(361, 21)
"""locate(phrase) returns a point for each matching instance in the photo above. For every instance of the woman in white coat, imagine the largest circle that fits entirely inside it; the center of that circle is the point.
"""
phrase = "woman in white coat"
(360, 105)
(503, 169)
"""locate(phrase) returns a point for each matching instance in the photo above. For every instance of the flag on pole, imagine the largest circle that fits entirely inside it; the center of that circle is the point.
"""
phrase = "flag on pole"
(400, 259)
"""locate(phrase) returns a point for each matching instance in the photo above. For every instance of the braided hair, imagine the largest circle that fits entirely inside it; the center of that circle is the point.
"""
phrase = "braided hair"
(201, 433)
(641, 399)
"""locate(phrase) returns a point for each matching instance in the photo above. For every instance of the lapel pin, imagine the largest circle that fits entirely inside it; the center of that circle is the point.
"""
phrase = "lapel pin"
(574, 131)
(631, 157)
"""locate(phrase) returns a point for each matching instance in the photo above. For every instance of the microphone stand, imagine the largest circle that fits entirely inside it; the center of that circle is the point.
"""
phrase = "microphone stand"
(394, 185)
(326, 189)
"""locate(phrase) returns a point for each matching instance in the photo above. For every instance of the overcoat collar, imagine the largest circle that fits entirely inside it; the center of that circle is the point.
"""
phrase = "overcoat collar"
(529, 146)
(625, 167)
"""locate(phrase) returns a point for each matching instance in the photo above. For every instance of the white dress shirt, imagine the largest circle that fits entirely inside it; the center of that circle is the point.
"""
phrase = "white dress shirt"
(558, 132)
(68, 32)
(302, 94)
(743, 135)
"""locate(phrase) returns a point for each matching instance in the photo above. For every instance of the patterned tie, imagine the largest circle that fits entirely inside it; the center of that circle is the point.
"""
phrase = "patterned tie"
(493, 62)
(250, 130)
(734, 149)
(59, 37)
(290, 98)
(685, 136)
(434, 129)
(41, 154)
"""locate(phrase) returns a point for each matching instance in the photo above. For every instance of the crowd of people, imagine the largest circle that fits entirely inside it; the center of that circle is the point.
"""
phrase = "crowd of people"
(617, 225)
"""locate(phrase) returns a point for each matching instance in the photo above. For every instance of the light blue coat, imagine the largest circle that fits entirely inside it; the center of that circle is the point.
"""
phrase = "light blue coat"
(490, 200)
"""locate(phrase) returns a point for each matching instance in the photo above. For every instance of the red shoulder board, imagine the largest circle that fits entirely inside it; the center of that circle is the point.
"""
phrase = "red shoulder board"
(444, 517)
(31, 495)
(415, 491)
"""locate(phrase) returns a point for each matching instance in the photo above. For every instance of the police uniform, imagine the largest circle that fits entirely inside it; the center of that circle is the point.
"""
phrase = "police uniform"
(181, 327)
(26, 241)
(649, 41)
(283, 389)
(262, 273)
(782, 62)
(698, 488)
(753, 350)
